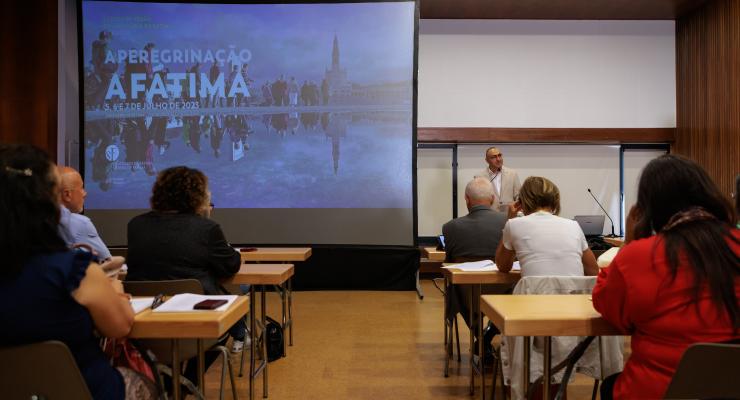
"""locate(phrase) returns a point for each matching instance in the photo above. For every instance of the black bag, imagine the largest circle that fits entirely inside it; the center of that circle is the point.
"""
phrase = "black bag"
(274, 337)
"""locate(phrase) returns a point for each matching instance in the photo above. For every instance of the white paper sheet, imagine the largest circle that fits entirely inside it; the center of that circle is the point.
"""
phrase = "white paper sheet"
(184, 302)
(481, 266)
(140, 304)
(606, 258)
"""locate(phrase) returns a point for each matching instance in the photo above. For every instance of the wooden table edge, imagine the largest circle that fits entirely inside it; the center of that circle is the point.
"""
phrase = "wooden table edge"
(586, 327)
(258, 255)
(226, 320)
(243, 278)
(457, 277)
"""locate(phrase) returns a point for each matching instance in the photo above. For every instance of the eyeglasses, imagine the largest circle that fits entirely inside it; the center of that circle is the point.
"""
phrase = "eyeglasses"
(158, 300)
(211, 206)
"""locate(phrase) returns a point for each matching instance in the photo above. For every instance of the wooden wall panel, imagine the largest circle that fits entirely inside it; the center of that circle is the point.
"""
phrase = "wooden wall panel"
(28, 73)
(545, 135)
(557, 9)
(708, 89)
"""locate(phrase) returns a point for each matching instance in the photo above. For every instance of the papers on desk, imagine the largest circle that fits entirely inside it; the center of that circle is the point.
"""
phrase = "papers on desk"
(481, 266)
(606, 258)
(184, 302)
(140, 304)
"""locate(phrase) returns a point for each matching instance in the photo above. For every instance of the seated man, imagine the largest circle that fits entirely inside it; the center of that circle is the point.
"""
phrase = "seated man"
(75, 228)
(471, 238)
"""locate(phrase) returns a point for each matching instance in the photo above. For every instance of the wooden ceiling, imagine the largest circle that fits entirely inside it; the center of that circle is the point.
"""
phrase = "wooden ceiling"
(558, 9)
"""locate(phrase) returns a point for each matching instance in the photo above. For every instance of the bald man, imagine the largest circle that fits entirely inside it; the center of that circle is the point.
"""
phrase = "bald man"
(471, 238)
(74, 227)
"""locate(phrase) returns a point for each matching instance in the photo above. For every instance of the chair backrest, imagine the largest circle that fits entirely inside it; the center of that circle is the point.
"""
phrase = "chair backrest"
(167, 288)
(707, 370)
(45, 370)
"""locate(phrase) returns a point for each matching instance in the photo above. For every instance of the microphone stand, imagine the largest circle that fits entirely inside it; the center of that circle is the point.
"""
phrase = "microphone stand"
(605, 213)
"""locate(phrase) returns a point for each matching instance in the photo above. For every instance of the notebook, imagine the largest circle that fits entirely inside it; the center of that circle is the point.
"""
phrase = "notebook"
(140, 304)
(480, 266)
(184, 302)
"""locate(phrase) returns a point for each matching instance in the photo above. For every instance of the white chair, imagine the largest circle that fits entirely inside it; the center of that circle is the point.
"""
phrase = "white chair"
(594, 363)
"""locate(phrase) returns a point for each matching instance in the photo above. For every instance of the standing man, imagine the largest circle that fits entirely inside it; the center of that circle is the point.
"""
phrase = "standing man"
(505, 180)
(74, 227)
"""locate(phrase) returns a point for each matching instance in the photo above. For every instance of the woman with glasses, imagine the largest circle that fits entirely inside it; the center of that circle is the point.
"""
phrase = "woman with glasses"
(177, 240)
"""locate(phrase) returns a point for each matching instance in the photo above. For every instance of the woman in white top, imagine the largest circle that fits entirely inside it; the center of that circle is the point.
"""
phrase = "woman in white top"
(544, 243)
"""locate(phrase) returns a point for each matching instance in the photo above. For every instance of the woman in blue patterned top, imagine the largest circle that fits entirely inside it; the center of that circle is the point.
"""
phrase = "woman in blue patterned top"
(49, 292)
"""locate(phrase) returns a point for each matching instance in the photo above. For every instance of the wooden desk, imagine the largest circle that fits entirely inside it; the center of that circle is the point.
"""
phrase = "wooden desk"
(261, 275)
(457, 277)
(476, 280)
(277, 254)
(617, 241)
(433, 254)
(188, 325)
(280, 254)
(543, 315)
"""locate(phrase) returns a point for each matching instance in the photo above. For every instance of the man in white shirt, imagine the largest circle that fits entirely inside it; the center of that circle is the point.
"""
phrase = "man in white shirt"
(75, 228)
(505, 180)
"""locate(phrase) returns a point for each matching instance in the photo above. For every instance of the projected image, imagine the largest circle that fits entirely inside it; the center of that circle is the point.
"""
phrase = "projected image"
(282, 106)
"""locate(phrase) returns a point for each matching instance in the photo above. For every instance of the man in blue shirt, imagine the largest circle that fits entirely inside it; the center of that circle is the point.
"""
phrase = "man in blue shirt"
(74, 227)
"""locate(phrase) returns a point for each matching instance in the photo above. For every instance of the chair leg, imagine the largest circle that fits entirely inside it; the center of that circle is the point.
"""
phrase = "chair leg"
(457, 338)
(166, 370)
(241, 362)
(503, 384)
(160, 369)
(493, 378)
(226, 368)
(448, 346)
(225, 361)
(234, 395)
(596, 389)
(498, 369)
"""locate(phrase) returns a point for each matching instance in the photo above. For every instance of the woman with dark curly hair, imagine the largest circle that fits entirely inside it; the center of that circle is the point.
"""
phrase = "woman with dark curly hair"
(176, 240)
(677, 279)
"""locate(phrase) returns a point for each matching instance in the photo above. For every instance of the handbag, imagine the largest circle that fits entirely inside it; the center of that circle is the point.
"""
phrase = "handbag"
(123, 353)
(274, 334)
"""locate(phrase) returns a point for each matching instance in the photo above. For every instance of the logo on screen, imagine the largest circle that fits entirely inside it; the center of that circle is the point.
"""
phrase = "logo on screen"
(112, 152)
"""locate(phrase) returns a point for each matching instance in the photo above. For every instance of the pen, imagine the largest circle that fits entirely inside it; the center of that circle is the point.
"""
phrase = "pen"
(158, 300)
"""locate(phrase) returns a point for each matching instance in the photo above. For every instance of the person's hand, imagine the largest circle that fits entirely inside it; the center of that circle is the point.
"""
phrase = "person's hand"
(118, 288)
(514, 208)
(632, 217)
(117, 285)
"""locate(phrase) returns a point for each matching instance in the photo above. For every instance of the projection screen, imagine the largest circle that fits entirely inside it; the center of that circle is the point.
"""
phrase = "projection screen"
(301, 115)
